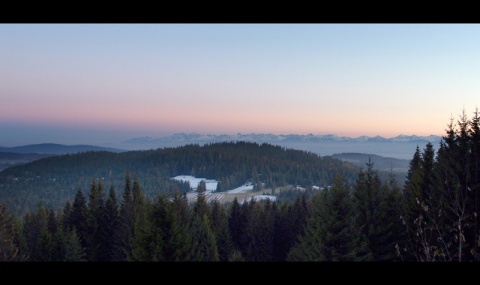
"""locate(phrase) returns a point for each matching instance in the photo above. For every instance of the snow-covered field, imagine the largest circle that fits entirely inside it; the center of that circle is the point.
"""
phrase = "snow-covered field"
(211, 184)
(242, 189)
(242, 193)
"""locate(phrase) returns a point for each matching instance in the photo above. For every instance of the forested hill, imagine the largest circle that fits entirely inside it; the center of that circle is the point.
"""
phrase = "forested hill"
(54, 180)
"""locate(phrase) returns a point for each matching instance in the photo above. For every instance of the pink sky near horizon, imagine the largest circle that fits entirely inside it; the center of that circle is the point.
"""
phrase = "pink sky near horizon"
(157, 79)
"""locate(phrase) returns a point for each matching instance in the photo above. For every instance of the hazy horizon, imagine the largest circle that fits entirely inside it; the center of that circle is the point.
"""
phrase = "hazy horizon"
(116, 139)
(104, 83)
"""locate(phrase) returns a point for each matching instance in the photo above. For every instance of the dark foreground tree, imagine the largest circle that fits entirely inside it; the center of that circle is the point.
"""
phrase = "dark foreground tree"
(329, 234)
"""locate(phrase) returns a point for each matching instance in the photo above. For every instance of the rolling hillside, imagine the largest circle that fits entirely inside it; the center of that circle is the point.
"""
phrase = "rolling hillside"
(54, 180)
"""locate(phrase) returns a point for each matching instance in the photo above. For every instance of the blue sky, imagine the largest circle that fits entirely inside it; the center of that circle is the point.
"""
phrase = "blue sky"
(102, 83)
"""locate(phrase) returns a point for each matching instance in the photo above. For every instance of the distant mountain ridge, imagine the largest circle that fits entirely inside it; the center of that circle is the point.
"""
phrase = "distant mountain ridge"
(272, 138)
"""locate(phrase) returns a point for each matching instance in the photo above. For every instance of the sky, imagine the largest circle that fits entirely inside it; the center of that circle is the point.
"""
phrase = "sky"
(106, 83)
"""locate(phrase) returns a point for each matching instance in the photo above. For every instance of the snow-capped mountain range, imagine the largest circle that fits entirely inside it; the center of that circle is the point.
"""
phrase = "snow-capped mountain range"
(272, 138)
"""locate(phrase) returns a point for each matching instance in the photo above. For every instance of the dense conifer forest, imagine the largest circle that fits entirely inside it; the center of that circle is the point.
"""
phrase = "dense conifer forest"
(430, 217)
(54, 180)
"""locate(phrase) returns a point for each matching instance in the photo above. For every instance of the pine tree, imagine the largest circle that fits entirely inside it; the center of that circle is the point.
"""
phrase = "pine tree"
(9, 251)
(109, 225)
(138, 201)
(474, 163)
(201, 207)
(309, 244)
(179, 240)
(65, 216)
(371, 222)
(74, 251)
(37, 237)
(126, 224)
(236, 223)
(56, 232)
(79, 217)
(140, 226)
(416, 194)
(95, 221)
(205, 248)
(394, 211)
(329, 234)
(219, 221)
(282, 242)
(150, 242)
(445, 228)
(257, 234)
(337, 230)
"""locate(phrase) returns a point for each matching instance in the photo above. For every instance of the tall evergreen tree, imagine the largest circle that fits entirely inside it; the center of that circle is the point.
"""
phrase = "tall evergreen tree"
(138, 200)
(236, 224)
(142, 226)
(95, 221)
(445, 228)
(109, 225)
(74, 251)
(38, 239)
(151, 243)
(329, 234)
(370, 207)
(474, 133)
(257, 234)
(179, 240)
(205, 248)
(281, 237)
(56, 232)
(126, 224)
(201, 206)
(65, 216)
(219, 221)
(9, 251)
(79, 217)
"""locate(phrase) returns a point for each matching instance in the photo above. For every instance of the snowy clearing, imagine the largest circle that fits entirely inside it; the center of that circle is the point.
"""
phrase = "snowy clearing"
(243, 193)
(210, 184)
(242, 189)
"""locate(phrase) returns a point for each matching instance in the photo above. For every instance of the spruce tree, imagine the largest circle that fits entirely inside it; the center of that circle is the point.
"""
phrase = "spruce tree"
(179, 241)
(281, 237)
(74, 251)
(309, 244)
(152, 241)
(56, 232)
(9, 251)
(236, 224)
(109, 225)
(126, 224)
(37, 237)
(96, 217)
(329, 234)
(205, 248)
(219, 221)
(257, 234)
(201, 207)
(79, 217)
(371, 222)
(474, 163)
(337, 229)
